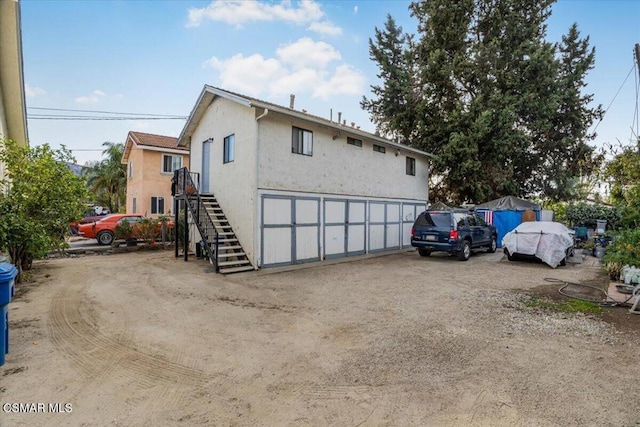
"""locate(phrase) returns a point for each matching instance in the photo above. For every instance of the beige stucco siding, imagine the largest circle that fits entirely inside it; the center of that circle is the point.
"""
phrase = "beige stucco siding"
(335, 166)
(149, 181)
(13, 124)
(233, 184)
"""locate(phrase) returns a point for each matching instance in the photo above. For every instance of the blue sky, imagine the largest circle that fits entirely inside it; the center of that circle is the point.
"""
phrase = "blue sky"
(153, 57)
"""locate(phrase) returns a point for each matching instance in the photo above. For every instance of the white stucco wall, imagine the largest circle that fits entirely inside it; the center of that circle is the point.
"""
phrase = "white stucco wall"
(335, 167)
(233, 184)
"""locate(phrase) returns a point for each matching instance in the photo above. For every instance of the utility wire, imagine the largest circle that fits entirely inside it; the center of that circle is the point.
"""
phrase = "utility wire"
(107, 112)
(55, 117)
(615, 96)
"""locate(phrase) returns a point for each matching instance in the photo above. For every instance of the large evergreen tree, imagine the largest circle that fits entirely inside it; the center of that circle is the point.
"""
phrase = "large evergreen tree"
(501, 107)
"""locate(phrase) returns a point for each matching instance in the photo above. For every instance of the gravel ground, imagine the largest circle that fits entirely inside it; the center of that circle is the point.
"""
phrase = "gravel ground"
(144, 339)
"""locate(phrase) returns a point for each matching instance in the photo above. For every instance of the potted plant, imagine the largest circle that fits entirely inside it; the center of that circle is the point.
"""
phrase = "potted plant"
(613, 268)
(588, 247)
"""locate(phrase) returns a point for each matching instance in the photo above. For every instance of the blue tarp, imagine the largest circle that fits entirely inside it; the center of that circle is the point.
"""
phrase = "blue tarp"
(506, 213)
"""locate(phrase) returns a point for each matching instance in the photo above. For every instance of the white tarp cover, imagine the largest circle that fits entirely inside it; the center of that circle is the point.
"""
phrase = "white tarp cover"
(546, 240)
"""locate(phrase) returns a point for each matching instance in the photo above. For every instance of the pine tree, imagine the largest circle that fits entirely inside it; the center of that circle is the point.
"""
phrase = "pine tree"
(501, 107)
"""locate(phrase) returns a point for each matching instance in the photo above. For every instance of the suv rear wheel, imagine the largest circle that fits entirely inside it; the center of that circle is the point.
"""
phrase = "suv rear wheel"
(465, 251)
(424, 252)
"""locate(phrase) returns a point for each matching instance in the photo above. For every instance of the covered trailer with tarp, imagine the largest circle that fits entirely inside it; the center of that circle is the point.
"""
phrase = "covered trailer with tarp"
(506, 212)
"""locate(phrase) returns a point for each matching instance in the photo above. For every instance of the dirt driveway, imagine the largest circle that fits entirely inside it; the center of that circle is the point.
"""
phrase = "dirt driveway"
(144, 339)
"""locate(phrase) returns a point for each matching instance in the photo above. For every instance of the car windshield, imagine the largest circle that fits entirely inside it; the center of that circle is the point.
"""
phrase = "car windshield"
(434, 219)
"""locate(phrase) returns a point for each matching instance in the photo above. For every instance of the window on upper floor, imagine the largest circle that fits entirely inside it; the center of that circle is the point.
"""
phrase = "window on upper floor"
(411, 166)
(353, 141)
(171, 163)
(302, 141)
(134, 207)
(157, 205)
(130, 168)
(378, 148)
(229, 149)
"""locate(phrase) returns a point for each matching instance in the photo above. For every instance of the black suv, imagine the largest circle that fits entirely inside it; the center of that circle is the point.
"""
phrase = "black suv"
(453, 231)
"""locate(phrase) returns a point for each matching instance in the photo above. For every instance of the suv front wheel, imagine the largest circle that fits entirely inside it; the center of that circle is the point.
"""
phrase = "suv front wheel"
(465, 251)
(493, 245)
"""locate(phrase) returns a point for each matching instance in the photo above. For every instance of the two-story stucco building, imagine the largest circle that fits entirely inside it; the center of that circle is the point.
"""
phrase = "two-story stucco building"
(297, 187)
(151, 160)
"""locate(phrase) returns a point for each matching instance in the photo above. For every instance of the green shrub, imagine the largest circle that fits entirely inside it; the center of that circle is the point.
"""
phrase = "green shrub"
(583, 214)
(123, 230)
(624, 248)
(148, 229)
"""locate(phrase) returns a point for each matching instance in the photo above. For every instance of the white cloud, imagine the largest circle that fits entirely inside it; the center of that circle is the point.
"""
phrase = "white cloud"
(325, 28)
(93, 98)
(355, 10)
(345, 81)
(307, 53)
(249, 75)
(238, 12)
(32, 91)
(301, 67)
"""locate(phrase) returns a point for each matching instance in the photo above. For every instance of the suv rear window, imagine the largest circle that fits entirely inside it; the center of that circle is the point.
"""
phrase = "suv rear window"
(434, 219)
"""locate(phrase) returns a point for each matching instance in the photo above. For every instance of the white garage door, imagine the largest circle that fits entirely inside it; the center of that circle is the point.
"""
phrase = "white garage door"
(384, 226)
(290, 230)
(344, 227)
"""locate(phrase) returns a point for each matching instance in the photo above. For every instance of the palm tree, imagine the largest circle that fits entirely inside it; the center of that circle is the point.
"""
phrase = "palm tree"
(108, 179)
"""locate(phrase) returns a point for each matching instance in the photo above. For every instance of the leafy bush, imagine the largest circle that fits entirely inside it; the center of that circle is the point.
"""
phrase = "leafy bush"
(123, 230)
(624, 249)
(559, 211)
(583, 214)
(148, 229)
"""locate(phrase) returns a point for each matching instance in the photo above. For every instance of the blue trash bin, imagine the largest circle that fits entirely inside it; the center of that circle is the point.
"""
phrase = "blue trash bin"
(8, 273)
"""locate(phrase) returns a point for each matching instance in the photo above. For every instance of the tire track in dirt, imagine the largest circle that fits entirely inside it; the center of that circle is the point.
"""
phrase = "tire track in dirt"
(75, 331)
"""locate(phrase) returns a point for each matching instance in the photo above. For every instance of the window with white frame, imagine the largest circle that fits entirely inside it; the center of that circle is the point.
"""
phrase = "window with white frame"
(302, 141)
(157, 205)
(171, 163)
(229, 149)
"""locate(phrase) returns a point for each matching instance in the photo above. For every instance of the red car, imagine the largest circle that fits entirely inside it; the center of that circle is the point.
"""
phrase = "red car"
(104, 230)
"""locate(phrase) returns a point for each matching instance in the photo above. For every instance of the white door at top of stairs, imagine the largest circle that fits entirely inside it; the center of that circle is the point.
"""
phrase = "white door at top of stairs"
(344, 227)
(290, 230)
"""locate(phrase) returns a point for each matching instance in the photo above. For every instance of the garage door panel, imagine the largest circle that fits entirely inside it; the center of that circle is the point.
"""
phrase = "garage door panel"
(334, 211)
(393, 212)
(334, 240)
(276, 211)
(406, 234)
(357, 212)
(276, 244)
(307, 245)
(376, 212)
(393, 236)
(307, 211)
(356, 240)
(408, 213)
(376, 237)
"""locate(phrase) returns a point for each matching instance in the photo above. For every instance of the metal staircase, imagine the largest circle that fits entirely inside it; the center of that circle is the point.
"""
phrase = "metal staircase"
(219, 241)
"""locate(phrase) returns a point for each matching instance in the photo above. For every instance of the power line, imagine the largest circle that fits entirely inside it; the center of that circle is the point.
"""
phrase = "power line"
(615, 96)
(107, 112)
(62, 117)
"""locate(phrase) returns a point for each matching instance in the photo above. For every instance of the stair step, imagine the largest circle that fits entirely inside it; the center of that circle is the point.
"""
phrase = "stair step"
(230, 254)
(227, 240)
(230, 247)
(239, 262)
(226, 233)
(236, 269)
